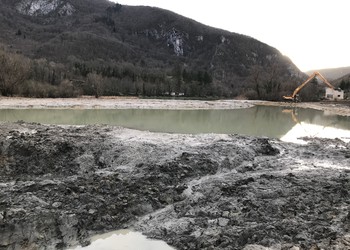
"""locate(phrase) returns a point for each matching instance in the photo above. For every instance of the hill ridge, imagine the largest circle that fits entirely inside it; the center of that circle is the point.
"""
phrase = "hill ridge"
(332, 73)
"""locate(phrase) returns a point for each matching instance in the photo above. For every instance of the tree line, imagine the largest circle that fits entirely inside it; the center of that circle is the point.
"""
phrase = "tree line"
(22, 76)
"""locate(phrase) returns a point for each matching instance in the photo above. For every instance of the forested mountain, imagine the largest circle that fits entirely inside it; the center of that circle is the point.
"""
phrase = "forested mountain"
(73, 47)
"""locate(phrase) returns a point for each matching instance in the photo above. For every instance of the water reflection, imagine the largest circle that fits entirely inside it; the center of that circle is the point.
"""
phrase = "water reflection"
(310, 130)
(321, 127)
(124, 240)
(273, 122)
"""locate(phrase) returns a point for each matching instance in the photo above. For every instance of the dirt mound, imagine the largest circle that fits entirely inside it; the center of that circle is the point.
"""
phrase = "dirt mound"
(59, 185)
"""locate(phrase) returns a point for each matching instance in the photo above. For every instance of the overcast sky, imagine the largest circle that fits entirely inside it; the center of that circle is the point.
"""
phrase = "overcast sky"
(314, 34)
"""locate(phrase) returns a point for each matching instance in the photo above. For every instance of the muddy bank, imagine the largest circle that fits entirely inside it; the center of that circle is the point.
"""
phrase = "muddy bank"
(329, 107)
(333, 108)
(59, 185)
(120, 103)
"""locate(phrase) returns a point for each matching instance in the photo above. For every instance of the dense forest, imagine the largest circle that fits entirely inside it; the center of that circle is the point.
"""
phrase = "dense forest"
(41, 78)
(22, 76)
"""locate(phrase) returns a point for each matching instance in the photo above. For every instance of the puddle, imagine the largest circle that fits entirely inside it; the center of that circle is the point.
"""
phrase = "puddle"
(124, 240)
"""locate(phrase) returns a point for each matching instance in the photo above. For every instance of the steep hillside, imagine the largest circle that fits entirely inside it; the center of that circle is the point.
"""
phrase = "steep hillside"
(142, 50)
(343, 83)
(332, 73)
(345, 78)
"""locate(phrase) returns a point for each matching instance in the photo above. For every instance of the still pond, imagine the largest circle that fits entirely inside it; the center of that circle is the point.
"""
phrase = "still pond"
(274, 122)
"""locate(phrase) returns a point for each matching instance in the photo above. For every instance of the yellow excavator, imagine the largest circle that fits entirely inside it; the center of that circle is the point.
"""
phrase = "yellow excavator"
(294, 96)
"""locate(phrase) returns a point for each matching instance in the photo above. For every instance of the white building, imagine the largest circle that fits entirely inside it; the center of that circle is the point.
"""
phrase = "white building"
(334, 94)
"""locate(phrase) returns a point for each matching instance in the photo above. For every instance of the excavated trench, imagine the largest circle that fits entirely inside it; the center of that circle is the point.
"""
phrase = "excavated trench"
(62, 184)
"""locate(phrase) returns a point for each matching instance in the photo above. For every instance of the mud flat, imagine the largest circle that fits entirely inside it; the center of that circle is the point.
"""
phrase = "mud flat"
(62, 184)
(336, 108)
(330, 107)
(120, 103)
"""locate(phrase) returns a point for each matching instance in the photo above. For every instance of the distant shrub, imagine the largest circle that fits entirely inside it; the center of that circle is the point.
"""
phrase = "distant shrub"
(251, 94)
(66, 89)
(45, 90)
(38, 90)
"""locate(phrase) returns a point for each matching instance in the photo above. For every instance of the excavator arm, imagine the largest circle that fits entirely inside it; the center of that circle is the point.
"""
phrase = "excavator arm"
(297, 90)
(324, 80)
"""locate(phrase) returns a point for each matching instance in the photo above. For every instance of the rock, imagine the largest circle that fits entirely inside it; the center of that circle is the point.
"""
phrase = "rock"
(92, 211)
(226, 214)
(301, 237)
(56, 204)
(223, 222)
(255, 247)
(294, 248)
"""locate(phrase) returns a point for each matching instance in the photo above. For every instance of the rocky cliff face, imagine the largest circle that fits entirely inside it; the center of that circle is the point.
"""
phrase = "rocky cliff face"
(45, 7)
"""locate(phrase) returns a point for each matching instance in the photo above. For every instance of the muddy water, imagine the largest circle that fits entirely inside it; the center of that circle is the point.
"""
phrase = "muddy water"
(124, 240)
(273, 122)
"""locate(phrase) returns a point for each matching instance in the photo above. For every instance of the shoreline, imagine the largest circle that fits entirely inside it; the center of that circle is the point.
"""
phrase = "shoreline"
(335, 108)
(87, 102)
(120, 103)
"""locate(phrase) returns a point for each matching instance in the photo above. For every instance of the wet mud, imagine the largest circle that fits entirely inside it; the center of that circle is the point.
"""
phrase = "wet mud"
(59, 185)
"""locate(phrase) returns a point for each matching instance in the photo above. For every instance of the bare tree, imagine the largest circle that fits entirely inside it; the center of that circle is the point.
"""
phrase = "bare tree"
(95, 82)
(14, 71)
(272, 83)
(256, 75)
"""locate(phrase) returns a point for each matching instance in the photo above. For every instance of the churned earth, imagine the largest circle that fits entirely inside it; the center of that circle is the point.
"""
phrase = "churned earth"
(59, 185)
